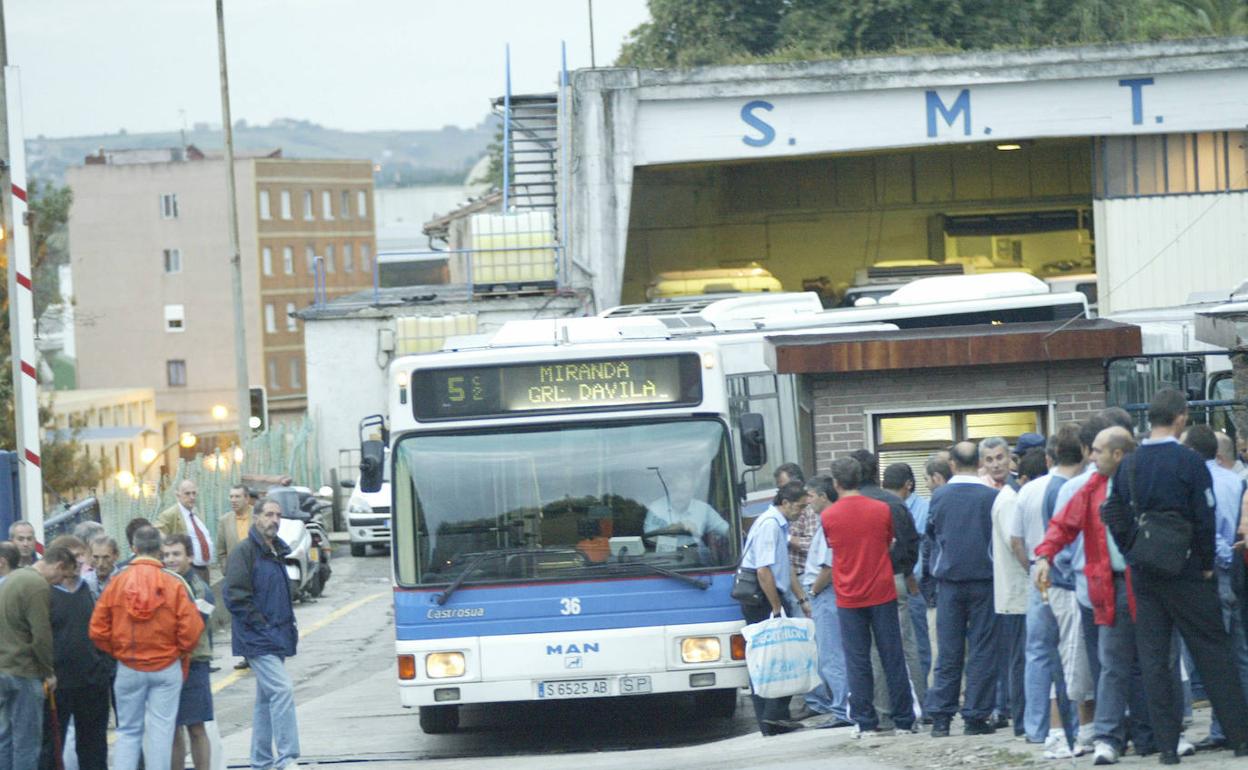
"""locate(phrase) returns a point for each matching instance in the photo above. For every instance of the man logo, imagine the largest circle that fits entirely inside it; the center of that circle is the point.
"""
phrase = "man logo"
(573, 661)
(571, 649)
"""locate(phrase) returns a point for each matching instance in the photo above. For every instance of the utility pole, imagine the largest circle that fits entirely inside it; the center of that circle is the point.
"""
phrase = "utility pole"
(593, 64)
(236, 266)
(21, 296)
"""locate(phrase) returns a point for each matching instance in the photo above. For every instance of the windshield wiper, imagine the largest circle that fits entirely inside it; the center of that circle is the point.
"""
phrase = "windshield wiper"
(698, 583)
(476, 561)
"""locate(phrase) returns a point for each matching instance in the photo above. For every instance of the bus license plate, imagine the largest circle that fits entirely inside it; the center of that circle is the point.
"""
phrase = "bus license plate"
(575, 688)
(634, 685)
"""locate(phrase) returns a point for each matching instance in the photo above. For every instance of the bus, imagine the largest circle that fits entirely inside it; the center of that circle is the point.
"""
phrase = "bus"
(530, 477)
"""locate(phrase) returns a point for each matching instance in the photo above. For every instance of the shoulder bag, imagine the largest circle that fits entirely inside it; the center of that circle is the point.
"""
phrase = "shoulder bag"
(1163, 539)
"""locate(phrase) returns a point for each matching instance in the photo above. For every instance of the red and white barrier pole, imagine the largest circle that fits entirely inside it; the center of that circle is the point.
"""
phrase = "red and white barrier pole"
(22, 313)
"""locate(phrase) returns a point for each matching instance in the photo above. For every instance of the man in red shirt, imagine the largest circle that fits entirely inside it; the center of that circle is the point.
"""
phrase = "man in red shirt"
(859, 531)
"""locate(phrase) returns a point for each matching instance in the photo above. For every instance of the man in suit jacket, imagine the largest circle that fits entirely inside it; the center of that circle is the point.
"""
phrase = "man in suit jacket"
(181, 518)
(233, 525)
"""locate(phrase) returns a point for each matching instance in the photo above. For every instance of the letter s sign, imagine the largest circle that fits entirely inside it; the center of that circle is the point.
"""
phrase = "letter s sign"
(766, 133)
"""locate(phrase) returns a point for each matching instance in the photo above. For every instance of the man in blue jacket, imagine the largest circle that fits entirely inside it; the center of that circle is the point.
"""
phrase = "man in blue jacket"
(959, 525)
(263, 621)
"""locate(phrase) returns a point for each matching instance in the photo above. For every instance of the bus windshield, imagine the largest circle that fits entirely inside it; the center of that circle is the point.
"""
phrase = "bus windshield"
(564, 501)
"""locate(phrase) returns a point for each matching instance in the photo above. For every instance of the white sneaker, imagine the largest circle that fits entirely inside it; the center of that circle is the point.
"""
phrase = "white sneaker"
(1104, 754)
(1185, 749)
(1055, 747)
(1082, 748)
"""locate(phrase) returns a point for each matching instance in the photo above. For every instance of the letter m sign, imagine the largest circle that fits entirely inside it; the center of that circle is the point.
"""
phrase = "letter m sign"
(961, 106)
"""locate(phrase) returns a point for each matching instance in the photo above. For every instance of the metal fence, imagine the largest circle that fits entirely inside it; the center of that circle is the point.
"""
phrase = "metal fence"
(283, 450)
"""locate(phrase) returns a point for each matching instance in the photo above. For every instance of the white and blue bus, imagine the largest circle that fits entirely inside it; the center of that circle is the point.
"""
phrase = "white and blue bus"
(532, 557)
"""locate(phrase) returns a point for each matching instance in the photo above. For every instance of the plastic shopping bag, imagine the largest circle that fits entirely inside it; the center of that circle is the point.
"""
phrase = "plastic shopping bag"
(781, 657)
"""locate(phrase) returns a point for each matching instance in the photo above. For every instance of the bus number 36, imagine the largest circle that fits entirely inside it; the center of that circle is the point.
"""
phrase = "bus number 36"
(570, 605)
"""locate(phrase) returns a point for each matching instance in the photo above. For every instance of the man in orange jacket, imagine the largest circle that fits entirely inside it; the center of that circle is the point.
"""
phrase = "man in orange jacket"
(147, 622)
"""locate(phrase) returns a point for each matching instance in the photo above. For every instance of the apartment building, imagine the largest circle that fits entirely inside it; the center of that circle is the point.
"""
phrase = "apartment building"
(150, 239)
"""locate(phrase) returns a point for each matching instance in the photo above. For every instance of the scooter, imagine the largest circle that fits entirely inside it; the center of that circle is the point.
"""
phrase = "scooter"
(303, 530)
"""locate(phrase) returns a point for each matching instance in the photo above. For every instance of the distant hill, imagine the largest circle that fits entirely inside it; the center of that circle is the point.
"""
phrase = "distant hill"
(405, 157)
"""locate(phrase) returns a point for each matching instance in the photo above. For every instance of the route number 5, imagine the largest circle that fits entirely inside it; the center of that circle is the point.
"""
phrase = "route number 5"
(570, 605)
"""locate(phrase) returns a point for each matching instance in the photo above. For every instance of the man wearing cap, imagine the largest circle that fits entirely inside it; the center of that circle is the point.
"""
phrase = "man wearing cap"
(1026, 441)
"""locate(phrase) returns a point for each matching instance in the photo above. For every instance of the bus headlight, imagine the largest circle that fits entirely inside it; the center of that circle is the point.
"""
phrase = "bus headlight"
(699, 649)
(444, 665)
(359, 506)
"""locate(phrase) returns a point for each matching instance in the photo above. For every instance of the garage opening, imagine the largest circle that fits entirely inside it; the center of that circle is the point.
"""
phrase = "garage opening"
(870, 219)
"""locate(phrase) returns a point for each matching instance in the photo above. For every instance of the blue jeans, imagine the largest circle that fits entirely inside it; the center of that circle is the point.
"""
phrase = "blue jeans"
(830, 696)
(964, 621)
(859, 626)
(1232, 619)
(151, 698)
(1042, 669)
(21, 721)
(273, 722)
(917, 605)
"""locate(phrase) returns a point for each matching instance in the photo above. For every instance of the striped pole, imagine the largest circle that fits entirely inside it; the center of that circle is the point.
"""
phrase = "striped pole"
(22, 314)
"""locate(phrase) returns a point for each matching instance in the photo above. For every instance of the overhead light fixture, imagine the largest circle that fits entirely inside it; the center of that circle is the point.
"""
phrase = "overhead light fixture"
(1008, 147)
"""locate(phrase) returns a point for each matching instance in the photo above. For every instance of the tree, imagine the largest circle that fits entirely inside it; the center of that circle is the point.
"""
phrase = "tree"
(683, 33)
(1219, 17)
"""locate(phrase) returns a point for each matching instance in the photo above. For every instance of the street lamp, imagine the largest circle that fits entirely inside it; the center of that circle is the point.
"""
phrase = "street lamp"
(147, 455)
(219, 412)
(188, 440)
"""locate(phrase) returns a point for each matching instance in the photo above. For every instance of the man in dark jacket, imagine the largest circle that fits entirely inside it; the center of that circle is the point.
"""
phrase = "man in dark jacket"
(84, 675)
(904, 554)
(1164, 476)
(263, 622)
(959, 525)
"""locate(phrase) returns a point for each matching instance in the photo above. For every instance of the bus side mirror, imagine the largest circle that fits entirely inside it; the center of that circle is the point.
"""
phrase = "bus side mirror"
(372, 462)
(753, 440)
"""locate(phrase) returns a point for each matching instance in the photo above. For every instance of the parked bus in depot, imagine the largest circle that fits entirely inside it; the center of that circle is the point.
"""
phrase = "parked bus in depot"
(534, 554)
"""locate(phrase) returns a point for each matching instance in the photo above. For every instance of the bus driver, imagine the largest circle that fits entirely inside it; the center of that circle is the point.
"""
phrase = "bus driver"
(678, 520)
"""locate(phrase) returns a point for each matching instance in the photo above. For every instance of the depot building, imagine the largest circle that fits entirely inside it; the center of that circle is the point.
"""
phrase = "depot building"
(1119, 167)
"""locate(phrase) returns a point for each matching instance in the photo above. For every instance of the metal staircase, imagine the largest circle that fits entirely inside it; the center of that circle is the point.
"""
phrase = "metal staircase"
(534, 151)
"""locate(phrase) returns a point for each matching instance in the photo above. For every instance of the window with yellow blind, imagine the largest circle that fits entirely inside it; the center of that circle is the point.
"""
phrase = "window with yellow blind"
(911, 438)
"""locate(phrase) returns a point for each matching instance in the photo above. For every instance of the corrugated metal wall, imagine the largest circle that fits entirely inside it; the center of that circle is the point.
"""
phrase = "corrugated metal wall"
(1155, 251)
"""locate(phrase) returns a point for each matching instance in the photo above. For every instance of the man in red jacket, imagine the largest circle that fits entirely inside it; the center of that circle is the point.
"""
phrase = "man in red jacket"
(147, 622)
(1112, 602)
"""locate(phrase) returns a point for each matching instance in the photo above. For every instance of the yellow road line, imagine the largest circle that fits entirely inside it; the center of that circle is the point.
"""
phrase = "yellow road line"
(238, 674)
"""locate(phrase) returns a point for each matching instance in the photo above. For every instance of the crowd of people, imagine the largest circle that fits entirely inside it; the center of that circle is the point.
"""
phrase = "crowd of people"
(83, 634)
(1082, 589)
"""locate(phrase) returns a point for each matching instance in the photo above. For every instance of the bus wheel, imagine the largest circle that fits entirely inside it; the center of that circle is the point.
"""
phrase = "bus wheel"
(720, 704)
(439, 719)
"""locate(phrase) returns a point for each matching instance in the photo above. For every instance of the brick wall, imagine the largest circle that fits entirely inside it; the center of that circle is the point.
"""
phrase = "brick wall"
(1075, 389)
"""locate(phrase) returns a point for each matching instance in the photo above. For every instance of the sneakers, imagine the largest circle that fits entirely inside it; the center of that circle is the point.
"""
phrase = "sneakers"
(1055, 747)
(1168, 758)
(978, 727)
(1104, 754)
(1185, 748)
(940, 729)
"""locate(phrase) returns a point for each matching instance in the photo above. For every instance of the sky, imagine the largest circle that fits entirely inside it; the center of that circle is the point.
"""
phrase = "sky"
(91, 67)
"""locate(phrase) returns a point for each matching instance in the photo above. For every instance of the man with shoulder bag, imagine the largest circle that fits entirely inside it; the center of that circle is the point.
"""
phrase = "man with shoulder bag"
(765, 564)
(1162, 506)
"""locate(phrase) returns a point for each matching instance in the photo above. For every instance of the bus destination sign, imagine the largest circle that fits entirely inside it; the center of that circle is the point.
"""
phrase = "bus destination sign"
(554, 386)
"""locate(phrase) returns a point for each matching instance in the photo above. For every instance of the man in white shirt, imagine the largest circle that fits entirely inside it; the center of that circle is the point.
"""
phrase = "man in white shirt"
(181, 518)
(677, 520)
(1010, 585)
